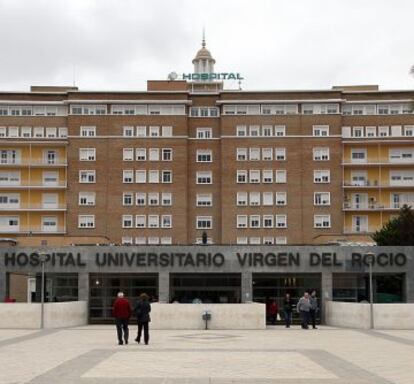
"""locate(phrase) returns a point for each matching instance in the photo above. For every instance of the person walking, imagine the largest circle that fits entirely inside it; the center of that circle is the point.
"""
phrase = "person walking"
(273, 309)
(142, 311)
(303, 307)
(314, 308)
(287, 310)
(122, 312)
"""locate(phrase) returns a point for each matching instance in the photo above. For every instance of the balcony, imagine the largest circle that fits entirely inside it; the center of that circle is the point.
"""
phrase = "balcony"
(33, 229)
(377, 161)
(33, 184)
(369, 207)
(363, 230)
(33, 163)
(375, 184)
(33, 207)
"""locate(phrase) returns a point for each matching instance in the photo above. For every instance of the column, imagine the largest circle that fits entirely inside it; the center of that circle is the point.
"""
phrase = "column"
(246, 287)
(83, 286)
(164, 287)
(327, 292)
(4, 285)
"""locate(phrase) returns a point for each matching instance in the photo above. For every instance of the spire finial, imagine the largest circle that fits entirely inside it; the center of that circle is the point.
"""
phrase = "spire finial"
(203, 42)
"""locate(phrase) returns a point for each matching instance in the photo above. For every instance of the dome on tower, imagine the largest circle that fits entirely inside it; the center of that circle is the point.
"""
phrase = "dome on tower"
(203, 54)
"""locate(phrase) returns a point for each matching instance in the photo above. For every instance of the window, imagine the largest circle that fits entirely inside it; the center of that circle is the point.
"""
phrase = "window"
(358, 155)
(26, 132)
(127, 176)
(204, 156)
(128, 131)
(267, 130)
(86, 221)
(154, 154)
(241, 221)
(268, 221)
(204, 133)
(140, 221)
(401, 155)
(254, 154)
(140, 176)
(10, 200)
(13, 132)
(322, 198)
(280, 240)
(281, 198)
(241, 240)
(3, 131)
(267, 154)
(280, 130)
(127, 198)
(166, 240)
(128, 154)
(254, 130)
(126, 241)
(281, 176)
(140, 198)
(154, 131)
(166, 176)
(281, 221)
(153, 198)
(51, 178)
(241, 130)
(140, 240)
(409, 130)
(9, 223)
(204, 177)
(127, 221)
(154, 176)
(141, 131)
(167, 154)
(87, 176)
(38, 132)
(10, 156)
(358, 131)
(241, 176)
(320, 154)
(87, 198)
(323, 176)
(321, 130)
(166, 199)
(87, 131)
(241, 198)
(153, 240)
(51, 132)
(204, 222)
(87, 154)
(141, 154)
(254, 240)
(383, 131)
(267, 198)
(267, 176)
(204, 200)
(254, 198)
(166, 221)
(254, 176)
(241, 154)
(153, 221)
(371, 131)
(268, 240)
(254, 221)
(63, 132)
(322, 221)
(280, 154)
(166, 131)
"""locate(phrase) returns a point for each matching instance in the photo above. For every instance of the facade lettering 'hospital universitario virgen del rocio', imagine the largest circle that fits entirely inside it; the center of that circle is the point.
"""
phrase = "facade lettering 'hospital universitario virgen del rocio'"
(118, 188)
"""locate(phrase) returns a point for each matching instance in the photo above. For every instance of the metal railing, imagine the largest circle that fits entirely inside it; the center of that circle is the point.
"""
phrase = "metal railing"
(46, 207)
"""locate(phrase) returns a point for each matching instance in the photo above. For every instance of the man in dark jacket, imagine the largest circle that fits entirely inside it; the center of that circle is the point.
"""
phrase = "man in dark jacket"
(122, 312)
(142, 310)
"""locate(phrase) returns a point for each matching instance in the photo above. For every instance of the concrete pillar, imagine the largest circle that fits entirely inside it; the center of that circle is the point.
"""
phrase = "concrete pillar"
(246, 287)
(327, 292)
(4, 285)
(83, 286)
(164, 287)
(409, 286)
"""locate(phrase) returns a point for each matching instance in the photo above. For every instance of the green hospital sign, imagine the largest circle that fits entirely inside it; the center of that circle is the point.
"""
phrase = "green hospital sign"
(212, 76)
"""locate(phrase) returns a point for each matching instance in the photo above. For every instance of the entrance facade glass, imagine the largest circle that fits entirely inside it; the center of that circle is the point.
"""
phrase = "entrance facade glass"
(104, 289)
(205, 287)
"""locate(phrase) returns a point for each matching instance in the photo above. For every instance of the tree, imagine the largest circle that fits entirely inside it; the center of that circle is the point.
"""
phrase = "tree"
(397, 231)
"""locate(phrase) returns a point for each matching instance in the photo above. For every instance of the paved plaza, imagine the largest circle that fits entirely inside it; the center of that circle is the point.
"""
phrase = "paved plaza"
(277, 355)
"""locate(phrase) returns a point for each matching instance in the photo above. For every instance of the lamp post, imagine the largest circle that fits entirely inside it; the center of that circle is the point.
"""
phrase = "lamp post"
(371, 257)
(42, 257)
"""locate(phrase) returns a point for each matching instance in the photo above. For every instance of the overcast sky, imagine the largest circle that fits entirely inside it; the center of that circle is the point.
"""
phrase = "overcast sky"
(274, 44)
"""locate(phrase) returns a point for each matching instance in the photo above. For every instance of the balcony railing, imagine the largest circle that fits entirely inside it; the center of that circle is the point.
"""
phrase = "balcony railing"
(35, 207)
(33, 184)
(34, 229)
(360, 229)
(368, 206)
(378, 161)
(34, 162)
(375, 184)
